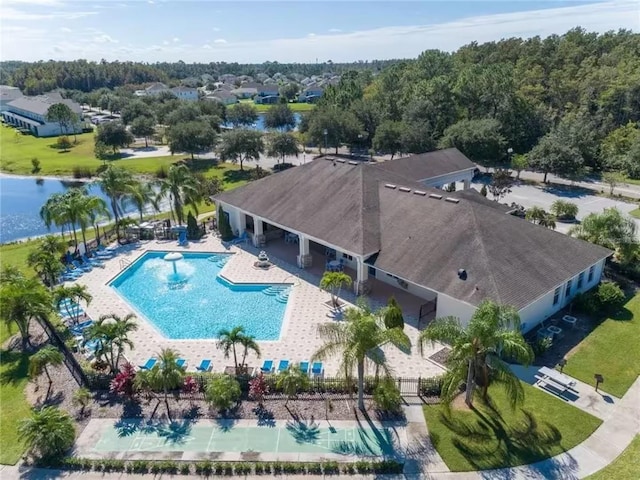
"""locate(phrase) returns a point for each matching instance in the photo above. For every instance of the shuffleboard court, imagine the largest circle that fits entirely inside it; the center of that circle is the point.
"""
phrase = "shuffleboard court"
(292, 437)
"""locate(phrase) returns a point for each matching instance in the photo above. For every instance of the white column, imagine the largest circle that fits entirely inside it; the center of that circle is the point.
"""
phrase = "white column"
(241, 222)
(304, 256)
(362, 276)
(467, 184)
(258, 232)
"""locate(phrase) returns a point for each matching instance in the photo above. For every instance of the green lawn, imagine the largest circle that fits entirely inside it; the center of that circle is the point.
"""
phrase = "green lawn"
(496, 436)
(13, 378)
(635, 213)
(626, 466)
(295, 107)
(611, 350)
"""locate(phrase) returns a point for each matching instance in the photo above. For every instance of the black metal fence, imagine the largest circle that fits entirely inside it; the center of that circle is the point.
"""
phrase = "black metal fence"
(69, 359)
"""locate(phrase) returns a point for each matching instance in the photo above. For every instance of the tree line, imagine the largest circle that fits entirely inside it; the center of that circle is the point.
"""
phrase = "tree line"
(34, 78)
(571, 103)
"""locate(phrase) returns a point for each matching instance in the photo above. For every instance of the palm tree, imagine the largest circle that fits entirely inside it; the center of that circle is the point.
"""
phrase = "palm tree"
(227, 340)
(357, 342)
(76, 293)
(53, 244)
(39, 361)
(112, 334)
(82, 397)
(47, 265)
(476, 350)
(70, 209)
(291, 381)
(115, 183)
(536, 214)
(248, 342)
(51, 214)
(548, 221)
(92, 208)
(21, 300)
(333, 282)
(49, 432)
(142, 194)
(166, 375)
(182, 189)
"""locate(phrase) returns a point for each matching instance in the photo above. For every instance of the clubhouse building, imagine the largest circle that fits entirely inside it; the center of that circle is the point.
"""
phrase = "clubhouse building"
(391, 223)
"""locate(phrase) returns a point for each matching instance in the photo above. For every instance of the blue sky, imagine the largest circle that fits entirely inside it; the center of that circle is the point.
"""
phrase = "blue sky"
(288, 31)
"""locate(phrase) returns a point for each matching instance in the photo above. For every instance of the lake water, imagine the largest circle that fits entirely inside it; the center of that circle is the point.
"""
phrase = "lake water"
(20, 202)
(259, 125)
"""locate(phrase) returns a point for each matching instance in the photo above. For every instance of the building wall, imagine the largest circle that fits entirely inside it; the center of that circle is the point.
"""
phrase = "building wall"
(439, 182)
(47, 129)
(449, 306)
(412, 288)
(541, 309)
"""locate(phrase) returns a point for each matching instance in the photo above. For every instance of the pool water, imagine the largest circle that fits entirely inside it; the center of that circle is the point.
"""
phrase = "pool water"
(199, 303)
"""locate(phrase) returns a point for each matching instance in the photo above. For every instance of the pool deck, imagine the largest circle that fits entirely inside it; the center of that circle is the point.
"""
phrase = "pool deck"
(306, 309)
(217, 439)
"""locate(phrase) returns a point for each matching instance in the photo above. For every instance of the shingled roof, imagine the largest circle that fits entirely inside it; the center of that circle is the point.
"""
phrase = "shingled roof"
(407, 231)
(430, 164)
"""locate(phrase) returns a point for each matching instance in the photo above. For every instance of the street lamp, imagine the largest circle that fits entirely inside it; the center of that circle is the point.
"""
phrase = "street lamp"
(509, 153)
(325, 132)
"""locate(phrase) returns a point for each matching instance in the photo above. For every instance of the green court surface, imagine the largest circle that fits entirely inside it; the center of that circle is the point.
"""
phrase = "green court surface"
(137, 436)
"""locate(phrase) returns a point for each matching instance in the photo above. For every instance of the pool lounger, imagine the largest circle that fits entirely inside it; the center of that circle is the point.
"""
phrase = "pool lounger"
(181, 362)
(283, 365)
(317, 369)
(205, 365)
(149, 365)
(304, 367)
(267, 366)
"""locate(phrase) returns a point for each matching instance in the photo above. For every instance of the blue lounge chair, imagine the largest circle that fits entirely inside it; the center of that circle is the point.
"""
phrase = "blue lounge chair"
(205, 366)
(79, 328)
(71, 312)
(181, 362)
(182, 238)
(244, 238)
(85, 267)
(317, 369)
(304, 367)
(149, 365)
(283, 365)
(72, 273)
(92, 261)
(267, 366)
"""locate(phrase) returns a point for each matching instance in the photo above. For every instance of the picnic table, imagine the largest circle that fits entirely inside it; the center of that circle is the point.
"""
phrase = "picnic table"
(559, 381)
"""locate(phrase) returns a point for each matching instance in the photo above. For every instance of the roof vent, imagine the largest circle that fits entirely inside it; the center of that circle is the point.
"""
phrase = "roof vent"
(452, 200)
(462, 274)
(404, 189)
(435, 195)
(340, 160)
(419, 192)
(390, 185)
(351, 162)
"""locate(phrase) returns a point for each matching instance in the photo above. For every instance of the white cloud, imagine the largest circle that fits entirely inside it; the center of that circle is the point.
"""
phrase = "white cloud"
(215, 29)
(65, 30)
(388, 42)
(334, 30)
(206, 46)
(311, 35)
(104, 38)
(176, 39)
(165, 42)
(10, 13)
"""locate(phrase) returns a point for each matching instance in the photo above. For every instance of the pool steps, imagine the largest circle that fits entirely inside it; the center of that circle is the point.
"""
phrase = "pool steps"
(219, 260)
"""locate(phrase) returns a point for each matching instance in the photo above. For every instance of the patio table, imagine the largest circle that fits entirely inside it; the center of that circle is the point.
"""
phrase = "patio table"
(334, 265)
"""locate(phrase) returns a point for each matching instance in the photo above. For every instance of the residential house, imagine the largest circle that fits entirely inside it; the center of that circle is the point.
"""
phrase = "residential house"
(268, 90)
(248, 90)
(185, 93)
(223, 96)
(311, 94)
(450, 251)
(8, 94)
(268, 100)
(30, 113)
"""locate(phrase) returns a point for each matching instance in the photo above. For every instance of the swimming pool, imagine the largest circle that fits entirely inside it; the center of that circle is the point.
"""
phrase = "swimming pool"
(200, 302)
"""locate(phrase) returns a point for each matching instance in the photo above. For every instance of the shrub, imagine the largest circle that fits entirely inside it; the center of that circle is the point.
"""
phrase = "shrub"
(242, 468)
(185, 469)
(387, 466)
(363, 467)
(262, 469)
(483, 190)
(387, 396)
(138, 466)
(609, 295)
(258, 388)
(48, 432)
(193, 231)
(279, 167)
(222, 391)
(564, 210)
(541, 345)
(330, 468)
(586, 302)
(63, 143)
(82, 398)
(314, 468)
(190, 386)
(393, 315)
(161, 172)
(204, 468)
(81, 172)
(123, 382)
(35, 165)
(431, 387)
(101, 151)
(223, 225)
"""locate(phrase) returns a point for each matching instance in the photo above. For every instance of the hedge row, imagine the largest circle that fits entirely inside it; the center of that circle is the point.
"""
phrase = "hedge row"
(207, 468)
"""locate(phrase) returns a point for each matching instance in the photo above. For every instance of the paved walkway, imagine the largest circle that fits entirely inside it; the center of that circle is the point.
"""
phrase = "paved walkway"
(618, 429)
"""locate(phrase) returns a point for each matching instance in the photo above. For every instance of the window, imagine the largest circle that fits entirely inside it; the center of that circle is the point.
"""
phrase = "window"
(556, 296)
(348, 257)
(580, 279)
(568, 291)
(592, 270)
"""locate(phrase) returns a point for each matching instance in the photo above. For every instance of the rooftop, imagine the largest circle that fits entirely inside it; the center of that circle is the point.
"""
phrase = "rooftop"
(40, 105)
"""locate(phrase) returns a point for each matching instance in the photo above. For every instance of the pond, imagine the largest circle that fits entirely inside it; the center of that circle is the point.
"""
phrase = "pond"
(21, 199)
(259, 125)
